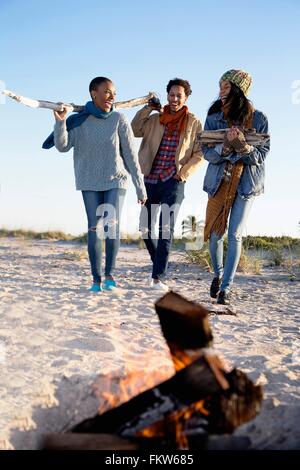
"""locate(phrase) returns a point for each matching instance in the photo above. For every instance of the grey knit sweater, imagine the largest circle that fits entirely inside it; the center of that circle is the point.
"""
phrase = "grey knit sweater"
(103, 153)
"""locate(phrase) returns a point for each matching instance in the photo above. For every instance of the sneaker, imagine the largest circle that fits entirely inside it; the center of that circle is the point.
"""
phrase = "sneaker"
(223, 298)
(160, 286)
(109, 284)
(95, 287)
(215, 286)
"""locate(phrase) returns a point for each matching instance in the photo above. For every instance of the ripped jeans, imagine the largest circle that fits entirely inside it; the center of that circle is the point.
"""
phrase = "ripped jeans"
(103, 210)
(237, 221)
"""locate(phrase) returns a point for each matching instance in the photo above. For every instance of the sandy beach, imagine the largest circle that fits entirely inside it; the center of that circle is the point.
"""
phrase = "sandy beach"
(59, 343)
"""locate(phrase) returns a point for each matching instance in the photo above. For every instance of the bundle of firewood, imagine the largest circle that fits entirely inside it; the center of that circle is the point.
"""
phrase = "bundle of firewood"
(202, 398)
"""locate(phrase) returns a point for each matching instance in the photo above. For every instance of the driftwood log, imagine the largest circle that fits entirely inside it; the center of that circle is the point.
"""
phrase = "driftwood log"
(216, 137)
(32, 103)
(183, 322)
(188, 386)
(231, 398)
(187, 332)
(200, 399)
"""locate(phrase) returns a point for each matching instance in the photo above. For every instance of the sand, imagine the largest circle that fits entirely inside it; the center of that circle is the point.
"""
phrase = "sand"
(60, 344)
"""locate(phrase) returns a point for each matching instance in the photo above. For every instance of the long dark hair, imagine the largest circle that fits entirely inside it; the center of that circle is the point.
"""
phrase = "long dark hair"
(240, 108)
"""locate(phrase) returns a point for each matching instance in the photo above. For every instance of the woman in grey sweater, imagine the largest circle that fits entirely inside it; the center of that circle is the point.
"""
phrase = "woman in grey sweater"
(104, 154)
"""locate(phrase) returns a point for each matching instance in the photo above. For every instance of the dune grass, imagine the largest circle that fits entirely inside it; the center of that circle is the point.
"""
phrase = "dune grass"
(257, 250)
(31, 234)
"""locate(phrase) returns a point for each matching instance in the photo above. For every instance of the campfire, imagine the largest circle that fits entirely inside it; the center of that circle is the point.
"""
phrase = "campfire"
(202, 397)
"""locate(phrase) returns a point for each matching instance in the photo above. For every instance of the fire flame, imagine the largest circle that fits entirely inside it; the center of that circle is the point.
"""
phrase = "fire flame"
(175, 423)
(134, 382)
(113, 390)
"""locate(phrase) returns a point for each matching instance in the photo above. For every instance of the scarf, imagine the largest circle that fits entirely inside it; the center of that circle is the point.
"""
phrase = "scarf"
(77, 119)
(175, 121)
(219, 205)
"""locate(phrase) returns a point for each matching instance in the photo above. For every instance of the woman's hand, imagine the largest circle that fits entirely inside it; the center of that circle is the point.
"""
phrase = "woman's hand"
(142, 201)
(227, 147)
(237, 139)
(177, 177)
(233, 133)
(61, 115)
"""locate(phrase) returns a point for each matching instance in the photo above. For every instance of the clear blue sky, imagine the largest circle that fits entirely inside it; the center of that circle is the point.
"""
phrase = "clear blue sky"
(52, 49)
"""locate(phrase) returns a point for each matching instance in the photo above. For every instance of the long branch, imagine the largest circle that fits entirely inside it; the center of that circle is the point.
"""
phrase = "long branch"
(217, 137)
(71, 106)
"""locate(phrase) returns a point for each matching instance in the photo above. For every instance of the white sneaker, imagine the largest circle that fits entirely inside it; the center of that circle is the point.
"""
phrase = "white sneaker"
(160, 286)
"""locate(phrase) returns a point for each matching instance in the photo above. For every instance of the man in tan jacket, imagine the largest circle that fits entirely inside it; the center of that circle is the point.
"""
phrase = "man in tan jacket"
(168, 155)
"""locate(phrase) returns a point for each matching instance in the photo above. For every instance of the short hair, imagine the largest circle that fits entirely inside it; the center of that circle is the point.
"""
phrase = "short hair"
(97, 81)
(179, 82)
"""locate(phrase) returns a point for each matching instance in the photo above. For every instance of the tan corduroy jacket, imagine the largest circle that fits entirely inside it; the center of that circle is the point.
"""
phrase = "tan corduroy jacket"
(188, 155)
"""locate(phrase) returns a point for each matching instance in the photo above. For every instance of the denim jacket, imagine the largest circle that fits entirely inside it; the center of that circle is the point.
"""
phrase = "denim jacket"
(253, 175)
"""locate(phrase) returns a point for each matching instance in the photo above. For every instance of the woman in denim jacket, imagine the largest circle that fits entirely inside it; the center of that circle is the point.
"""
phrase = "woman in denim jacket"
(235, 175)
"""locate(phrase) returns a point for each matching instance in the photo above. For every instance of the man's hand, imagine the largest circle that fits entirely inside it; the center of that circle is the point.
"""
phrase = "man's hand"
(61, 115)
(154, 103)
(142, 201)
(177, 177)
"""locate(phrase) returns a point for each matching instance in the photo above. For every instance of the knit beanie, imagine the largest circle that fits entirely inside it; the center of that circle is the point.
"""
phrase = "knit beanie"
(240, 78)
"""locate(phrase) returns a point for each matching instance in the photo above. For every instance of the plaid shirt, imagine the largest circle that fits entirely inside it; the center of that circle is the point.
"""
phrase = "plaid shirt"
(164, 166)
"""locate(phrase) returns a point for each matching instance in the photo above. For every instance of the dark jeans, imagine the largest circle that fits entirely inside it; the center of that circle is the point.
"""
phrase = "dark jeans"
(105, 207)
(164, 197)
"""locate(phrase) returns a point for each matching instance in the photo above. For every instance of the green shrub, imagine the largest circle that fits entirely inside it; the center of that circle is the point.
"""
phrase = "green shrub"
(277, 258)
(200, 257)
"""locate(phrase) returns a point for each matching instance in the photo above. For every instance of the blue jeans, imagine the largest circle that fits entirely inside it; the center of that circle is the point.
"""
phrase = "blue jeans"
(237, 220)
(103, 210)
(168, 197)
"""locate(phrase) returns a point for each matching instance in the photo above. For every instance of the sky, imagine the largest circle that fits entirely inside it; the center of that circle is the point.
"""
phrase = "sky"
(52, 49)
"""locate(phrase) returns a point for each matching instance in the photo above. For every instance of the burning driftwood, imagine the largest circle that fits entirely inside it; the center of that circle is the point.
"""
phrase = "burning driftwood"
(201, 398)
(212, 138)
(188, 386)
(32, 103)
